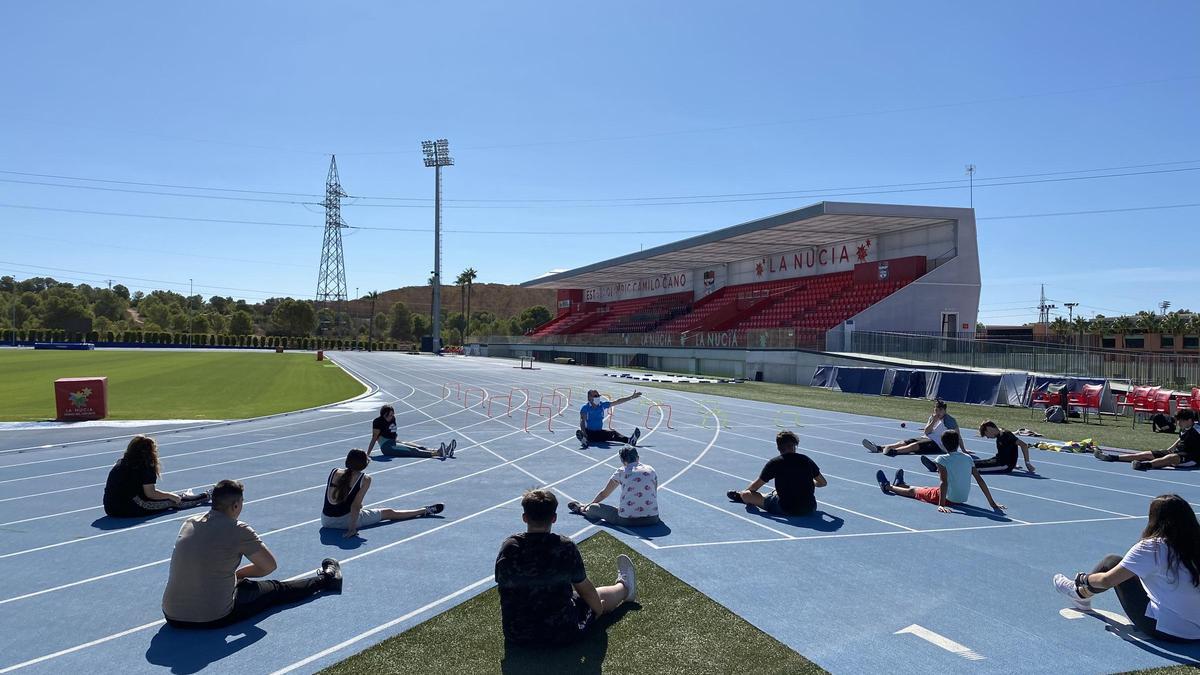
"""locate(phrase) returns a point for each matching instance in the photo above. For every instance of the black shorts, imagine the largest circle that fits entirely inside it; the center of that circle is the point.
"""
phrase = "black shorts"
(562, 634)
(925, 446)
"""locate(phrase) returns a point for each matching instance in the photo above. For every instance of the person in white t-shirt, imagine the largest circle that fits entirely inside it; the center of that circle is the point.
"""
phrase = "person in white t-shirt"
(931, 443)
(1158, 580)
(639, 495)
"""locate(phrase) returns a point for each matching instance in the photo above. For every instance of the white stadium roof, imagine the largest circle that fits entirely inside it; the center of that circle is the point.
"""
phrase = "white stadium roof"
(817, 225)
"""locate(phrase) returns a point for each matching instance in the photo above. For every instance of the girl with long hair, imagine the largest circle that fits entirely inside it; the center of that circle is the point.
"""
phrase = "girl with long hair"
(344, 498)
(131, 491)
(1158, 580)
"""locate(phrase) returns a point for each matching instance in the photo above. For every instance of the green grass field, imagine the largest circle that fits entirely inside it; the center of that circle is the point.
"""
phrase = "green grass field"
(1115, 432)
(173, 385)
(673, 628)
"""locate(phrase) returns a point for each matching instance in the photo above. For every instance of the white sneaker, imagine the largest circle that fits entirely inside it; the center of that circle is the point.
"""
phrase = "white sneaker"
(1067, 587)
(627, 576)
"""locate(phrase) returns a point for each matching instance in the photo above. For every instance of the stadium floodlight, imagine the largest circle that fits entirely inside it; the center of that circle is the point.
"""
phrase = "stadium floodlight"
(437, 155)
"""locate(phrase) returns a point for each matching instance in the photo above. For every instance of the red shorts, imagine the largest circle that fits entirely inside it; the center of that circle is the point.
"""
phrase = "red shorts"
(930, 494)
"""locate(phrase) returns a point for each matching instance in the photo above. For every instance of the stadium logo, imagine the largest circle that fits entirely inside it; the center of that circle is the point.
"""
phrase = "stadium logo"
(710, 278)
(863, 251)
(80, 398)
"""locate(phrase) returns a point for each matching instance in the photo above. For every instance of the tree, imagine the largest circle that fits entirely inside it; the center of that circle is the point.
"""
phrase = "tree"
(1098, 326)
(1174, 325)
(532, 318)
(110, 305)
(1193, 324)
(293, 317)
(465, 279)
(381, 323)
(66, 309)
(1081, 326)
(420, 326)
(401, 322)
(1060, 327)
(121, 291)
(1122, 326)
(1148, 322)
(241, 323)
(457, 322)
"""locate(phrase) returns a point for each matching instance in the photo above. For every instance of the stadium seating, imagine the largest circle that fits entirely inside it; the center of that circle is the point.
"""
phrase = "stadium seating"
(808, 304)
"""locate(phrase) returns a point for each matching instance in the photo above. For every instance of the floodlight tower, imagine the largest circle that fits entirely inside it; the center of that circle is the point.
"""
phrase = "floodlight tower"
(437, 155)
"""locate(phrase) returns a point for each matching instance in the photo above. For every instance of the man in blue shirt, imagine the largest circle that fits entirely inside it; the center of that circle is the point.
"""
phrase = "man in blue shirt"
(591, 421)
(955, 470)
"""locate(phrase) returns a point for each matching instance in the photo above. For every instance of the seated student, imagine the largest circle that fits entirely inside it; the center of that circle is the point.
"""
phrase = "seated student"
(383, 431)
(344, 498)
(545, 594)
(1158, 580)
(1184, 452)
(638, 505)
(130, 489)
(591, 421)
(955, 470)
(206, 588)
(796, 479)
(931, 443)
(1005, 460)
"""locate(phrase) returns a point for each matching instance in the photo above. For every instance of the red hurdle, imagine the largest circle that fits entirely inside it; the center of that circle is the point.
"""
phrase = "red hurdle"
(457, 386)
(466, 394)
(661, 407)
(505, 397)
(549, 416)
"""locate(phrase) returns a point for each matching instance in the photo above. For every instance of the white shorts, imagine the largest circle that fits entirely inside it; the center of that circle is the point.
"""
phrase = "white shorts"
(366, 518)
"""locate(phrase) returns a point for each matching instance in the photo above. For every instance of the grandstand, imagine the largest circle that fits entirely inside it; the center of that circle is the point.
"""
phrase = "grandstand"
(817, 274)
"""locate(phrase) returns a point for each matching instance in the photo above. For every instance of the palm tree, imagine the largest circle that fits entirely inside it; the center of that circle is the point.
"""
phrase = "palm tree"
(1122, 326)
(1174, 325)
(1193, 324)
(468, 275)
(1081, 326)
(1098, 326)
(1148, 322)
(1060, 327)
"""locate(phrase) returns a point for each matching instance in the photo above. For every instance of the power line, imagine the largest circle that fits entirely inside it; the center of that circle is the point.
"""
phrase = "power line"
(153, 281)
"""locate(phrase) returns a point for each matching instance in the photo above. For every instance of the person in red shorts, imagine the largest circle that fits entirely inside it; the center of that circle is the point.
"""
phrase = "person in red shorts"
(955, 470)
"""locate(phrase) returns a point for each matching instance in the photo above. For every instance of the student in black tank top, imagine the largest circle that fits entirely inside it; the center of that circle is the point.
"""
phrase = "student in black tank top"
(344, 495)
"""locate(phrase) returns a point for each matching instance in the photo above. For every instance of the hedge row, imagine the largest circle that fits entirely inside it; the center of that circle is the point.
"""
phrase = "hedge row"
(206, 340)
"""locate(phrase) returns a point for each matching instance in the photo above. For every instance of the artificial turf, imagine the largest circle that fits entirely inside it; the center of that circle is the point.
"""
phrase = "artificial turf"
(173, 385)
(672, 628)
(1114, 432)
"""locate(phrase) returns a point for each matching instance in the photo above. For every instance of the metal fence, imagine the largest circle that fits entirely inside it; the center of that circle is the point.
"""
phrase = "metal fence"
(766, 338)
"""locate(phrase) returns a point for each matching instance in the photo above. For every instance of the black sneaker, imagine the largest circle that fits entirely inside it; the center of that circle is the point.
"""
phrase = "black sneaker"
(434, 509)
(331, 574)
(929, 463)
(871, 447)
(575, 507)
(450, 448)
(883, 482)
(898, 481)
(734, 496)
(582, 438)
(1103, 456)
(637, 433)
(1142, 465)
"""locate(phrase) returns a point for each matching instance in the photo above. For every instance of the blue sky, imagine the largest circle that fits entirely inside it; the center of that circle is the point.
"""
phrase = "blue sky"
(595, 101)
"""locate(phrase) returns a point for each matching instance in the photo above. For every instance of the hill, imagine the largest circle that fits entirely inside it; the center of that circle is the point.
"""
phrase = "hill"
(501, 300)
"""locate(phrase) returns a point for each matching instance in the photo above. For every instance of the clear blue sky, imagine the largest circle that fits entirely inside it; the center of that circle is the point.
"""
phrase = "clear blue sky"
(595, 101)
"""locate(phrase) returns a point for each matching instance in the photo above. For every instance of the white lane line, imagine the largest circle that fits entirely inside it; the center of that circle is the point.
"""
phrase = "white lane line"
(76, 648)
(729, 513)
(942, 641)
(398, 620)
(936, 530)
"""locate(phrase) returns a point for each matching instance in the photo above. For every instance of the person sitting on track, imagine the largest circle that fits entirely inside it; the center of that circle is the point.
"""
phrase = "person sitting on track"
(206, 588)
(130, 490)
(545, 594)
(929, 444)
(796, 479)
(638, 505)
(1158, 580)
(591, 421)
(1007, 445)
(1184, 452)
(383, 431)
(344, 494)
(955, 470)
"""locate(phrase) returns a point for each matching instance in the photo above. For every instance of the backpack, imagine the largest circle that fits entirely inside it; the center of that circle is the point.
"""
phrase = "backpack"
(1163, 423)
(1056, 414)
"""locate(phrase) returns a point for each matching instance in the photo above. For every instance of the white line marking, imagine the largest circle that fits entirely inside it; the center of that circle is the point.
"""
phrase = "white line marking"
(730, 513)
(71, 650)
(942, 641)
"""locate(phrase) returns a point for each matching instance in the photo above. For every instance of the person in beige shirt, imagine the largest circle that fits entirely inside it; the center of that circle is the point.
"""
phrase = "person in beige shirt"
(208, 586)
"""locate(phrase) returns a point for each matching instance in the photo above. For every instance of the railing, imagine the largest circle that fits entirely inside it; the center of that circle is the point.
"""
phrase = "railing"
(767, 338)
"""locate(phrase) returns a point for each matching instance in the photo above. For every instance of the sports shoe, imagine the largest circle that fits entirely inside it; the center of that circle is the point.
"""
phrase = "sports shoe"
(1067, 587)
(929, 463)
(883, 482)
(582, 438)
(637, 433)
(1103, 456)
(734, 496)
(450, 448)
(434, 509)
(890, 452)
(898, 481)
(441, 453)
(871, 447)
(627, 576)
(575, 507)
(1143, 465)
(331, 574)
